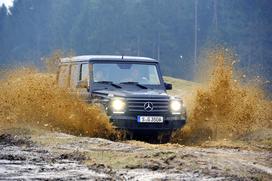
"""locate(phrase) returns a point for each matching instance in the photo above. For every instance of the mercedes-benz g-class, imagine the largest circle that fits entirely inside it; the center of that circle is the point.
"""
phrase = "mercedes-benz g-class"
(130, 89)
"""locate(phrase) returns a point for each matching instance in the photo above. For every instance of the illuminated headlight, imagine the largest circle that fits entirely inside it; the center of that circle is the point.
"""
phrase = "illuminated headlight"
(176, 106)
(118, 106)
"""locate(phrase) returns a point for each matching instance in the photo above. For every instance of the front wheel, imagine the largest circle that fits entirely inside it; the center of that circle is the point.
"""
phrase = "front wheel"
(164, 137)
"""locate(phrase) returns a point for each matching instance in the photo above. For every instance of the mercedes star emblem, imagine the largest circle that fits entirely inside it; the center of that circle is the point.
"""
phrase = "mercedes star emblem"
(148, 106)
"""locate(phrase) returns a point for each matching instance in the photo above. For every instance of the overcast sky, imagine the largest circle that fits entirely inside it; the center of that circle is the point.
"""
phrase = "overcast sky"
(8, 3)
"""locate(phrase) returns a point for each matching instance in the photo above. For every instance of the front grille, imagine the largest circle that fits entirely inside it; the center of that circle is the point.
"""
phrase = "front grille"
(137, 105)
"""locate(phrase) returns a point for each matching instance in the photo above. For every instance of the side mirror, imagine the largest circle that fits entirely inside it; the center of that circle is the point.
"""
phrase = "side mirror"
(168, 86)
(82, 84)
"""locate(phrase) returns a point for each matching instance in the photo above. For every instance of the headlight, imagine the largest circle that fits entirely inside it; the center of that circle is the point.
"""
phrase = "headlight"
(175, 106)
(118, 106)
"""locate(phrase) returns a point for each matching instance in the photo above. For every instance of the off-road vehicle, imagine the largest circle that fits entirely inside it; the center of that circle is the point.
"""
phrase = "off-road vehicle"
(130, 89)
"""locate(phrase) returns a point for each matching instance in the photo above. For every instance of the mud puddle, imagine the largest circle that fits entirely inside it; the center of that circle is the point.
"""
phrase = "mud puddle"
(58, 156)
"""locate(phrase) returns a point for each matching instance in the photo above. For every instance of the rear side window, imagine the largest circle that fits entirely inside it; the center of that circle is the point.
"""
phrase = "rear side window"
(84, 72)
(63, 78)
(74, 76)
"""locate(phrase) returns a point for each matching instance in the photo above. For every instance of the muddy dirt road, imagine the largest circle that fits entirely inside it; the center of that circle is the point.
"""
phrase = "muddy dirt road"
(58, 156)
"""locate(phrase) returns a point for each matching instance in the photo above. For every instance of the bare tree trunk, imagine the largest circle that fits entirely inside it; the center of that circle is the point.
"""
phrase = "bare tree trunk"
(159, 46)
(154, 49)
(195, 36)
(138, 45)
(215, 19)
(159, 33)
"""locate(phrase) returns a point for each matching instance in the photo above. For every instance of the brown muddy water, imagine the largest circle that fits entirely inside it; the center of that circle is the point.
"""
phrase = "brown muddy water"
(32, 99)
(222, 106)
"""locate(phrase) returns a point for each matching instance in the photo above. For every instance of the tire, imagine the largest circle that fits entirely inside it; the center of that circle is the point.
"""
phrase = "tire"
(164, 137)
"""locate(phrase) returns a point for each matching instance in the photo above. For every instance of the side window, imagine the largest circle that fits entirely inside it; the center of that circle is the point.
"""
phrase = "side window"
(153, 75)
(63, 76)
(84, 72)
(74, 76)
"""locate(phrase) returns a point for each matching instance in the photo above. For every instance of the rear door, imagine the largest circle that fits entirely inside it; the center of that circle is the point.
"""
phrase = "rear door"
(84, 75)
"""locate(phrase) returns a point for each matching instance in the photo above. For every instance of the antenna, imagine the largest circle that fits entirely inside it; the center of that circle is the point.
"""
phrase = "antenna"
(122, 57)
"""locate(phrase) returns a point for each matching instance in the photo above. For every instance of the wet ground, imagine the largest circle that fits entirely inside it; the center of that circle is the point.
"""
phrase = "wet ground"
(58, 156)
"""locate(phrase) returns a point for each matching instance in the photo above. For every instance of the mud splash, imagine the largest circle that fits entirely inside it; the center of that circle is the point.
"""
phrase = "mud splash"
(29, 98)
(224, 107)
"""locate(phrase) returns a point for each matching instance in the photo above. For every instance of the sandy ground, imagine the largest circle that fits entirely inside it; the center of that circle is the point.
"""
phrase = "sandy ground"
(58, 156)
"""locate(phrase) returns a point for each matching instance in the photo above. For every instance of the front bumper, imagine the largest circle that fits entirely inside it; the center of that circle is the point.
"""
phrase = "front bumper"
(130, 123)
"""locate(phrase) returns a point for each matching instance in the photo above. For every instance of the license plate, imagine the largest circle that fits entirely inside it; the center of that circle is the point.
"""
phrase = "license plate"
(150, 119)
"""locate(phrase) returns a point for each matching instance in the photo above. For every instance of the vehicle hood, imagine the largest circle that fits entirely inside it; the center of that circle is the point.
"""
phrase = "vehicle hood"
(132, 93)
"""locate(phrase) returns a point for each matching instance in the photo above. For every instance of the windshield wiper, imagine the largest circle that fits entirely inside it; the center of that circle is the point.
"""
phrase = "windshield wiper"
(109, 82)
(135, 83)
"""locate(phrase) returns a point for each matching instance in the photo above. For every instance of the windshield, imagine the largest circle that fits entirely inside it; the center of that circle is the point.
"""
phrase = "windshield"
(126, 72)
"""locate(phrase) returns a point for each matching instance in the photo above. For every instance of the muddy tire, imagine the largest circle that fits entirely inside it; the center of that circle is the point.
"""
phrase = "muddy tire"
(164, 137)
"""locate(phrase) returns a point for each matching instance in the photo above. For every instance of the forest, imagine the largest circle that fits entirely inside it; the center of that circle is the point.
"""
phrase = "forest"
(176, 32)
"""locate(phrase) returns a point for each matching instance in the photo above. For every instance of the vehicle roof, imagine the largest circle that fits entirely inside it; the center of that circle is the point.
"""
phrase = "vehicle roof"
(109, 58)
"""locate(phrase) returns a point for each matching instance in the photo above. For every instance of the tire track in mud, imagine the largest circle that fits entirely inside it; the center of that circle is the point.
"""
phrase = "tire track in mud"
(62, 156)
(262, 168)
